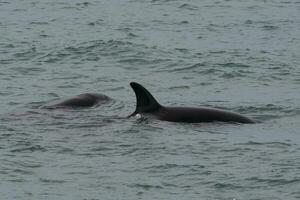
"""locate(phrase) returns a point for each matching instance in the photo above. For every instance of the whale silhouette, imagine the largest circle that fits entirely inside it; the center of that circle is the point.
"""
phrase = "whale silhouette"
(85, 100)
(147, 105)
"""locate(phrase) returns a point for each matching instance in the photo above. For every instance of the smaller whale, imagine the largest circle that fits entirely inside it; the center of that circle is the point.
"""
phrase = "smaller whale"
(85, 100)
(147, 105)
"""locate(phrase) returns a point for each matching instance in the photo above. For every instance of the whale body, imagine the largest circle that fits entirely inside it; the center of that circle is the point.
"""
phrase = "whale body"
(85, 100)
(147, 105)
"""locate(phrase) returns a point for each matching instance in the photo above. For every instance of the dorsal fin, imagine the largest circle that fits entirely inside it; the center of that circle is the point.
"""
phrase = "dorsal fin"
(145, 102)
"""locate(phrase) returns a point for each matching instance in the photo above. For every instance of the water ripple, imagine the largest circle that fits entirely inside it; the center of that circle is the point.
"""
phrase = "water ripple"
(274, 182)
(29, 149)
(242, 56)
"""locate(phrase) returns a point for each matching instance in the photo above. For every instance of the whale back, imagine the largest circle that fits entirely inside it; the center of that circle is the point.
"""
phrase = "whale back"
(145, 102)
(80, 101)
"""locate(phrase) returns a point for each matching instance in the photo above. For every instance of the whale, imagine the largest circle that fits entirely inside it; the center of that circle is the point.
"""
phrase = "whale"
(85, 100)
(147, 105)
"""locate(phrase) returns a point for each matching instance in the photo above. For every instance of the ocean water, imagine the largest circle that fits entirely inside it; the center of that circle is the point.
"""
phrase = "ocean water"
(237, 55)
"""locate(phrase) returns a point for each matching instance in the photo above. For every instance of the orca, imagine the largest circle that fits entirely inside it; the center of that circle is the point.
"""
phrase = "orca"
(146, 105)
(85, 100)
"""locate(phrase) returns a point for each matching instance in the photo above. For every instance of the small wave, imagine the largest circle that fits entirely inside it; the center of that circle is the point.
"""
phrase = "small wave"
(39, 23)
(93, 50)
(145, 186)
(269, 144)
(4, 2)
(96, 22)
(45, 180)
(64, 150)
(217, 70)
(169, 166)
(249, 21)
(27, 164)
(182, 50)
(189, 6)
(83, 4)
(22, 171)
(162, 0)
(166, 166)
(29, 149)
(101, 149)
(26, 54)
(271, 110)
(217, 52)
(227, 186)
(183, 22)
(136, 61)
(29, 70)
(188, 68)
(274, 182)
(179, 87)
(132, 35)
(238, 149)
(234, 65)
(269, 27)
(230, 75)
(255, 7)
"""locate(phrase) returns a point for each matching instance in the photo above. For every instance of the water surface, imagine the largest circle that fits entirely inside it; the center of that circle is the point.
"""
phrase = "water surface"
(237, 55)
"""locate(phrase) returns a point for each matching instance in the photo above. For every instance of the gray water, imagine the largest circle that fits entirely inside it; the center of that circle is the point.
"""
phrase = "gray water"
(236, 55)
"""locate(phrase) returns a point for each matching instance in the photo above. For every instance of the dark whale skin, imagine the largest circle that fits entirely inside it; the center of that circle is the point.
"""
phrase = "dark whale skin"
(147, 105)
